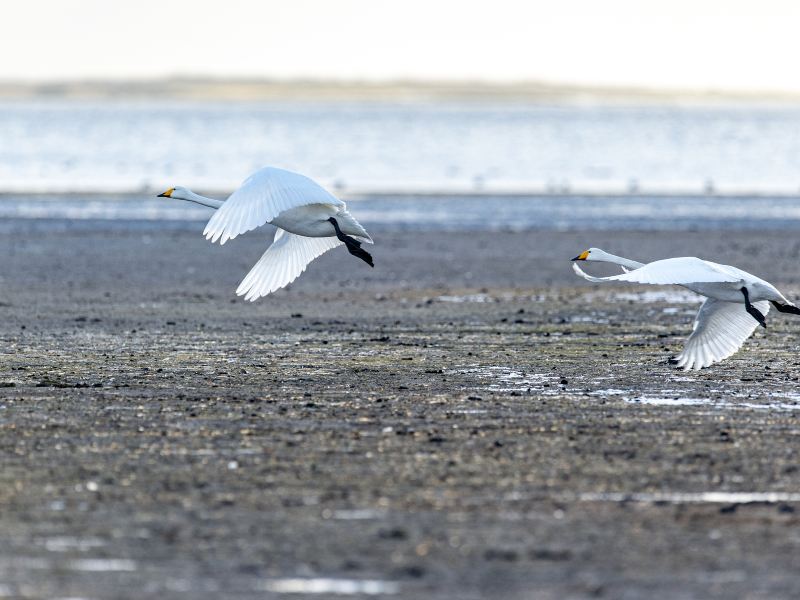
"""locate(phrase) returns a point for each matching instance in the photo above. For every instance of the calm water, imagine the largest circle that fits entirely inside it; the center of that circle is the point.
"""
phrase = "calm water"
(116, 154)
(118, 147)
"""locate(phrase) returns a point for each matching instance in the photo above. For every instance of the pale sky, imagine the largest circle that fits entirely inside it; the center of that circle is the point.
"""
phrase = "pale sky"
(720, 44)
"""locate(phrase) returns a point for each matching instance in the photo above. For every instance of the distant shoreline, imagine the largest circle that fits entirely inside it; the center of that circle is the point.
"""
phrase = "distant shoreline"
(186, 88)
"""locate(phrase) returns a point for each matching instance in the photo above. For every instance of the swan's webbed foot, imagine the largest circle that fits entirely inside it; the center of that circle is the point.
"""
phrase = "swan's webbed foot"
(786, 308)
(353, 245)
(754, 312)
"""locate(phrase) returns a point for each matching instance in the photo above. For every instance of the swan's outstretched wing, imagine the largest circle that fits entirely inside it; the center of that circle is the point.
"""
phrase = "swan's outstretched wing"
(263, 196)
(678, 271)
(282, 263)
(720, 329)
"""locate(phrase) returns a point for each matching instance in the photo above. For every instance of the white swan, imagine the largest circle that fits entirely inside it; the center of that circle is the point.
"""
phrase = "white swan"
(736, 301)
(310, 221)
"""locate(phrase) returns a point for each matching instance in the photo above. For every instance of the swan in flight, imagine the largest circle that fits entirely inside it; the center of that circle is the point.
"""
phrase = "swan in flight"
(736, 301)
(310, 221)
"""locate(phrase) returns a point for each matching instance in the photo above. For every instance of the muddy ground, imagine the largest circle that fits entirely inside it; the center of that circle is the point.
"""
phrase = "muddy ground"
(467, 420)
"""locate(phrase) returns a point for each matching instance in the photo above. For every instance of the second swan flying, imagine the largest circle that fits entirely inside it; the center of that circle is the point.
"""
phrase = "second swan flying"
(736, 301)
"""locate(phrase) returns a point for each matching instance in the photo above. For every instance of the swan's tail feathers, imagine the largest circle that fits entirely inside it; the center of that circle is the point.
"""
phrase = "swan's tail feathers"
(350, 226)
(720, 329)
(282, 263)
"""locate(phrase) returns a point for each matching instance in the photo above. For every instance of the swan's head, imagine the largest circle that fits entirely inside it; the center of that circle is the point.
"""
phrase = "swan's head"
(175, 192)
(593, 254)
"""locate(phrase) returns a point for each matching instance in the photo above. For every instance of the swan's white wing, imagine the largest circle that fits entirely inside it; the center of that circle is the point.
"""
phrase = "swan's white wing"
(679, 271)
(282, 263)
(263, 196)
(720, 329)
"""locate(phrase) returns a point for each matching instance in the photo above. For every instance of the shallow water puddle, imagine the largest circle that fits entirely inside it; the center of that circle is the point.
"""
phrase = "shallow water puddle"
(506, 379)
(726, 404)
(324, 585)
(609, 392)
(100, 565)
(661, 401)
(466, 298)
(693, 497)
(482, 297)
(669, 297)
(783, 402)
(65, 544)
(91, 565)
(588, 319)
(356, 514)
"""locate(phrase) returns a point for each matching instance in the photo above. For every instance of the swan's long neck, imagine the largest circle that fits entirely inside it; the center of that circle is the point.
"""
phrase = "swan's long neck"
(619, 260)
(197, 198)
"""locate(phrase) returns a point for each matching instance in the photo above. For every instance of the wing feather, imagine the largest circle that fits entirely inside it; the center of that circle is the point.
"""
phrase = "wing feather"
(677, 271)
(262, 197)
(282, 263)
(720, 329)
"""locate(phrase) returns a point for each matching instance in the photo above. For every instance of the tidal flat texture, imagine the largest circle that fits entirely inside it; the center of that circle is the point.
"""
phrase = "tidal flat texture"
(467, 420)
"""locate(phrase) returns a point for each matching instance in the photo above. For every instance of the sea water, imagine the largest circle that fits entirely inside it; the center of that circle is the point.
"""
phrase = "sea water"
(435, 165)
(114, 146)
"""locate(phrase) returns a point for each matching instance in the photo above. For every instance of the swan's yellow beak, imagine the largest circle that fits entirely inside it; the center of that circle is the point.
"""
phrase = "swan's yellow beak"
(167, 194)
(582, 256)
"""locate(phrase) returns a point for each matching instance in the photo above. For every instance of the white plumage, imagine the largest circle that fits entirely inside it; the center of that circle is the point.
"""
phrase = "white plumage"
(282, 263)
(684, 270)
(262, 197)
(720, 329)
(736, 301)
(310, 221)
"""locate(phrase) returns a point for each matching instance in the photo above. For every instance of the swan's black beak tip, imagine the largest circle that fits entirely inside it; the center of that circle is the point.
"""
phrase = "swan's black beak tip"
(162, 196)
(576, 258)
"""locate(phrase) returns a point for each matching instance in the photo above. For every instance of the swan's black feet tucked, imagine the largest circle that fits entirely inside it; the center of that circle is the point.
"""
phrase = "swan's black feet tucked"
(754, 312)
(787, 308)
(353, 245)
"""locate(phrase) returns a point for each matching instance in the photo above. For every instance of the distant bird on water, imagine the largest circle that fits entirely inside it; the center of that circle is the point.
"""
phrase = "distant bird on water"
(736, 301)
(310, 221)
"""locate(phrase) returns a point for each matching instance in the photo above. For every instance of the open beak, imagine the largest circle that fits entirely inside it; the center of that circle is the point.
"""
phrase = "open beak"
(167, 194)
(582, 256)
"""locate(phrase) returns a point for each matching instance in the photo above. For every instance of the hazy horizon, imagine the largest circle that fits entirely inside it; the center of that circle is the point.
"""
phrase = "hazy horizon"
(210, 87)
(724, 46)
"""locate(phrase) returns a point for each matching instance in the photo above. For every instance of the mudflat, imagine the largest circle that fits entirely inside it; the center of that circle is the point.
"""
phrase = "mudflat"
(467, 420)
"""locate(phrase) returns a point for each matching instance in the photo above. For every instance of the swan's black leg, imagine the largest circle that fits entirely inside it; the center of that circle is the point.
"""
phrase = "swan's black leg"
(786, 308)
(754, 312)
(353, 245)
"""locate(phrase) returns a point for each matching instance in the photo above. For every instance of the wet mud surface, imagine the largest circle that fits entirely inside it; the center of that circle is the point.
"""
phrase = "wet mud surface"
(468, 420)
